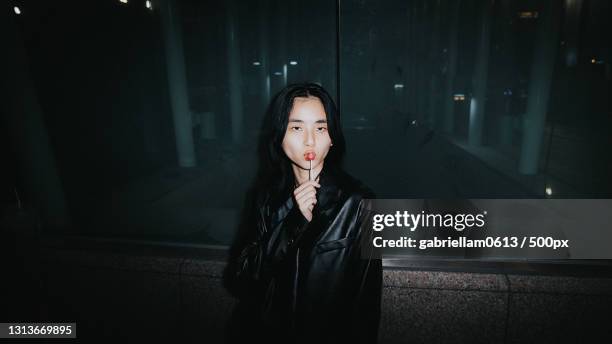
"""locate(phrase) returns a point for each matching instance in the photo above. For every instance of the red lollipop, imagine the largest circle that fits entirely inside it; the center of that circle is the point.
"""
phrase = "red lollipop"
(309, 156)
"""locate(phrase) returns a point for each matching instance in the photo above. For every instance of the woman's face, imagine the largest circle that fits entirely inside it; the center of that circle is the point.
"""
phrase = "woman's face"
(307, 132)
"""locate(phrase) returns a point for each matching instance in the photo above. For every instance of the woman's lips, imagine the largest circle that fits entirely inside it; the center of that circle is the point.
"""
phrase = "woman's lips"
(309, 156)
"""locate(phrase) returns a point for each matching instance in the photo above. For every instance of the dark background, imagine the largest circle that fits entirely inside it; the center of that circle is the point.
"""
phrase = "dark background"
(90, 141)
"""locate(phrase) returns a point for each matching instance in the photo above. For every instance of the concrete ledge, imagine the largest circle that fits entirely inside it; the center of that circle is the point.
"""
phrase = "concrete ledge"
(444, 280)
(442, 316)
(560, 285)
(180, 297)
(115, 260)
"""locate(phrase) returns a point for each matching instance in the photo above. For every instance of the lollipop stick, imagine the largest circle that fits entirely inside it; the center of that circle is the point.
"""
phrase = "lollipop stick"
(310, 169)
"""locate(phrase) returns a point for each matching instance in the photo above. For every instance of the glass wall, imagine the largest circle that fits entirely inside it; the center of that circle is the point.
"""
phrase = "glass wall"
(139, 119)
(479, 99)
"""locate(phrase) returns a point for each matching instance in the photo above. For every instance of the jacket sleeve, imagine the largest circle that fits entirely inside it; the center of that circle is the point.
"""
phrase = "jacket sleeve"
(242, 272)
(365, 280)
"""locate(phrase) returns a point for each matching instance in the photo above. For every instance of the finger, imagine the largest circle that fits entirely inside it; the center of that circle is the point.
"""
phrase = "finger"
(310, 206)
(304, 194)
(311, 202)
(305, 203)
(306, 184)
(309, 191)
(301, 198)
(304, 188)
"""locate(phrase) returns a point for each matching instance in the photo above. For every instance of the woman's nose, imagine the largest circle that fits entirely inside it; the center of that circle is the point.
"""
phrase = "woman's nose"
(309, 140)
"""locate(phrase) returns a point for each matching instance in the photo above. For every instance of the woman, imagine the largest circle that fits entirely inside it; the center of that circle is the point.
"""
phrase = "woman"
(301, 265)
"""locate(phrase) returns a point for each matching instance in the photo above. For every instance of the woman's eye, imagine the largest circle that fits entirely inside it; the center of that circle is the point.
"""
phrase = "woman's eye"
(321, 129)
(296, 128)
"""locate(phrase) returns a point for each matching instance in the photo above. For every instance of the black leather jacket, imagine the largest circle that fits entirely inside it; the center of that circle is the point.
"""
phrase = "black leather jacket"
(306, 282)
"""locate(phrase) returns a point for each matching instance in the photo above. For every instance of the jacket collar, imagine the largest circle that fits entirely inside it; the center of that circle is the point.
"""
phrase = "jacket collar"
(329, 190)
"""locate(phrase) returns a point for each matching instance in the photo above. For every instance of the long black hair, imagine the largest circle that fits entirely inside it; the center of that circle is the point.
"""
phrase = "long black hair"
(275, 174)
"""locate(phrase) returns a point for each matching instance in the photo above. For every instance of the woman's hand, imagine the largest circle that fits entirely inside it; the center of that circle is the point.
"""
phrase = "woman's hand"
(306, 197)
